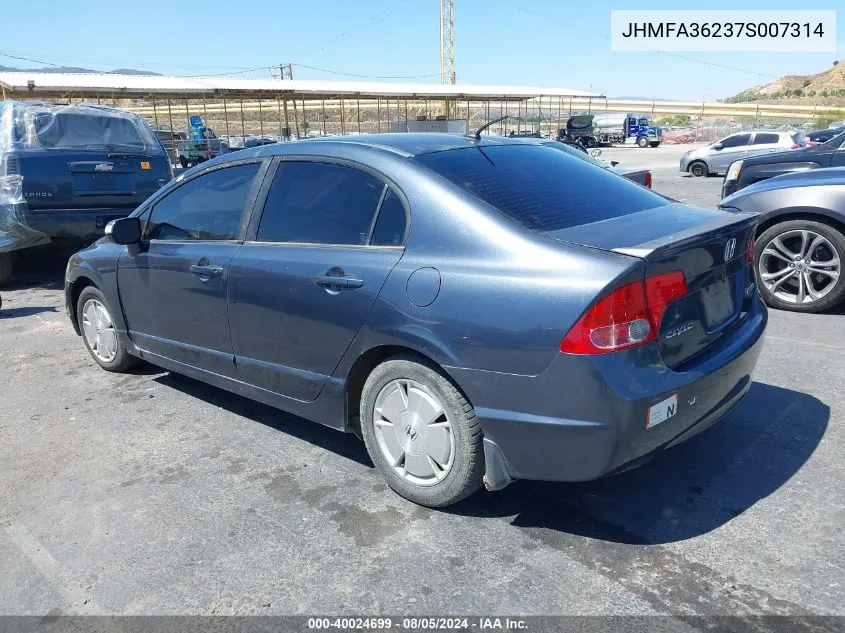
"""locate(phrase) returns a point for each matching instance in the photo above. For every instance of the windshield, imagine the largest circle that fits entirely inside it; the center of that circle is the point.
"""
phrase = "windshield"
(835, 143)
(539, 187)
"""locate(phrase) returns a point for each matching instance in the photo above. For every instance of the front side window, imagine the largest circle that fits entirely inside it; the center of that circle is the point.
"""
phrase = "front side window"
(736, 140)
(208, 207)
(320, 203)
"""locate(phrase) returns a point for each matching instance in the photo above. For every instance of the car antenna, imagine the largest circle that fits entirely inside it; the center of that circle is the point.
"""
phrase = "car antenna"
(477, 133)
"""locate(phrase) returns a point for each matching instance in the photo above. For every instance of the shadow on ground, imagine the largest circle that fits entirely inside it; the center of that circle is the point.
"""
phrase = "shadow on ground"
(685, 492)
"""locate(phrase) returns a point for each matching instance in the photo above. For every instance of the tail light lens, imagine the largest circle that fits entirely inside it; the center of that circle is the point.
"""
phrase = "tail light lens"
(627, 317)
(648, 180)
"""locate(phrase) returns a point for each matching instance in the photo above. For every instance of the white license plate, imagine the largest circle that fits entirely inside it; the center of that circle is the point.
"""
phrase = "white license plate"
(662, 411)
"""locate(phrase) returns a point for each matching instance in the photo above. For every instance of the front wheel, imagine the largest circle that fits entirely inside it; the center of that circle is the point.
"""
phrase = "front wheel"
(642, 141)
(590, 142)
(698, 169)
(799, 266)
(98, 332)
(421, 433)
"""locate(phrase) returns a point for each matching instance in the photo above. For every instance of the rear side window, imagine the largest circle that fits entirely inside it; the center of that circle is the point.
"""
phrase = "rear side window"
(208, 207)
(765, 138)
(737, 140)
(542, 188)
(390, 225)
(320, 203)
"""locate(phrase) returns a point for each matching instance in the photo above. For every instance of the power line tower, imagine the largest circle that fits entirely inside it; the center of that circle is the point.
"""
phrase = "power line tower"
(447, 41)
(286, 71)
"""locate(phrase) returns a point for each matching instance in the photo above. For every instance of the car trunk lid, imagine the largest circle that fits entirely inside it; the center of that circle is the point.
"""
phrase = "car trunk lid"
(708, 247)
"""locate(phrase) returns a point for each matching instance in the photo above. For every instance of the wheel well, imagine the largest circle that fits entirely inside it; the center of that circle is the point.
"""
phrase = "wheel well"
(786, 217)
(361, 370)
(79, 284)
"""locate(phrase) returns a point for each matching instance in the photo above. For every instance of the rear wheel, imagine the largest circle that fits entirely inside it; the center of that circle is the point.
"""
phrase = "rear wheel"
(799, 266)
(98, 332)
(654, 144)
(698, 169)
(5, 268)
(421, 433)
(590, 142)
(642, 141)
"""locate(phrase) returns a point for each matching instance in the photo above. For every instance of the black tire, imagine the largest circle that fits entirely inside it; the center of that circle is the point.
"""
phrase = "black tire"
(467, 470)
(184, 162)
(590, 142)
(122, 360)
(6, 268)
(834, 237)
(642, 141)
(654, 144)
(698, 169)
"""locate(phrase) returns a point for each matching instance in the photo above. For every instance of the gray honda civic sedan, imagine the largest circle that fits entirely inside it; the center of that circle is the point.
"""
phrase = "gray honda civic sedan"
(477, 309)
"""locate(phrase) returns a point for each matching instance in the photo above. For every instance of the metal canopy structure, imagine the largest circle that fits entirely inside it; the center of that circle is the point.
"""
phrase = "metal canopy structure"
(34, 85)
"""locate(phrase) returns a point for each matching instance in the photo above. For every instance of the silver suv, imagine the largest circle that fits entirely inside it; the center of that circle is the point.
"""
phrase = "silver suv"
(717, 157)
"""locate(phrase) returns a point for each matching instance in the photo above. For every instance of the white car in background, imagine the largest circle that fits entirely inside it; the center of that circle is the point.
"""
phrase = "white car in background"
(717, 157)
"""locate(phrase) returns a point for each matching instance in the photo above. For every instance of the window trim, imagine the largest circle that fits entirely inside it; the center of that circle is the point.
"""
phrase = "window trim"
(251, 235)
(249, 204)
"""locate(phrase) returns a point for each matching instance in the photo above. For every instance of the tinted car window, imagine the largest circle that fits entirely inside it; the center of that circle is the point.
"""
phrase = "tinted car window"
(542, 188)
(736, 140)
(319, 203)
(390, 225)
(765, 138)
(208, 207)
(577, 153)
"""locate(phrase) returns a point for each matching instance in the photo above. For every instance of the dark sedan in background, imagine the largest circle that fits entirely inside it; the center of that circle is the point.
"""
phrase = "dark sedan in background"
(746, 172)
(800, 241)
(477, 309)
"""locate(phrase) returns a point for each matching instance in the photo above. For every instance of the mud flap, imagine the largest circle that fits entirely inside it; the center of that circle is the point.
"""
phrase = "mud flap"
(496, 475)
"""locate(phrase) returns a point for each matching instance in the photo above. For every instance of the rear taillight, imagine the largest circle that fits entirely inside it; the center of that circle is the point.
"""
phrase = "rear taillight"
(627, 317)
(648, 180)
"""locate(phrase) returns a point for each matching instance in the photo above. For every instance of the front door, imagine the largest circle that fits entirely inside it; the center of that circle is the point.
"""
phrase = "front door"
(733, 148)
(173, 287)
(299, 292)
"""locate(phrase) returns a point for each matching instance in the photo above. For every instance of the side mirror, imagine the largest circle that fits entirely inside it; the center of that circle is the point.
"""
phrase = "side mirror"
(124, 230)
(718, 146)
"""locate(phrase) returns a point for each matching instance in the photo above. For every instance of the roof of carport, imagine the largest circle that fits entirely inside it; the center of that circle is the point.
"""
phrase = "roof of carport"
(41, 85)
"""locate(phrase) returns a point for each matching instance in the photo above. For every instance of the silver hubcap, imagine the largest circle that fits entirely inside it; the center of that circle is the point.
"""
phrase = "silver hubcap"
(98, 329)
(414, 432)
(799, 266)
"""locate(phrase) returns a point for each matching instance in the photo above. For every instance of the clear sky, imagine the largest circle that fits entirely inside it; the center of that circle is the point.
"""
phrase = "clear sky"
(516, 42)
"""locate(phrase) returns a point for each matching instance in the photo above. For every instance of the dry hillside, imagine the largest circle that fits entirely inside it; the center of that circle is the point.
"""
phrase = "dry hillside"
(825, 88)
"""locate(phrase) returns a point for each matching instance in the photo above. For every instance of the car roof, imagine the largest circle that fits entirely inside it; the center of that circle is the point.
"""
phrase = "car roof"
(408, 144)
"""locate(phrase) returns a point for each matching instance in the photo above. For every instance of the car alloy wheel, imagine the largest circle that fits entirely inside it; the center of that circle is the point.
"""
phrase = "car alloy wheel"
(98, 330)
(413, 432)
(799, 266)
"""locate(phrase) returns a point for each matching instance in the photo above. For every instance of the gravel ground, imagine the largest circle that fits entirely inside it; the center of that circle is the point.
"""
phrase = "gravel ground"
(151, 493)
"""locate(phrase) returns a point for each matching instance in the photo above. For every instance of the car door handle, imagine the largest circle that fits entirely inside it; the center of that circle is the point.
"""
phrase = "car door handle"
(206, 270)
(336, 281)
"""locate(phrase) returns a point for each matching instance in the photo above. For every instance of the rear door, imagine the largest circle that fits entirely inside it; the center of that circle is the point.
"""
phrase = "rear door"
(734, 147)
(767, 143)
(302, 286)
(173, 287)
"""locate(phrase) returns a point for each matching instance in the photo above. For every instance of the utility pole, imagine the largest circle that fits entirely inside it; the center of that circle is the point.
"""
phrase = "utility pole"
(286, 71)
(447, 41)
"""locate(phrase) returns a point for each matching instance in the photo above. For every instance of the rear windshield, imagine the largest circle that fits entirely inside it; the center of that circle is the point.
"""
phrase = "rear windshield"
(542, 188)
(71, 129)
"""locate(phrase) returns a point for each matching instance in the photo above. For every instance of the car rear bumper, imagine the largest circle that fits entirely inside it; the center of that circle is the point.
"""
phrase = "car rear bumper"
(585, 417)
(87, 224)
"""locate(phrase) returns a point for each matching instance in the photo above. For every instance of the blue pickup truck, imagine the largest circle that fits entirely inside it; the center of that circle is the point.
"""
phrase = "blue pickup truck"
(67, 170)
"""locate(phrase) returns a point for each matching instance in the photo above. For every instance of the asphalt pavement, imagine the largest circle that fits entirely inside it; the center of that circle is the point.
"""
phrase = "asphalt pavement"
(150, 493)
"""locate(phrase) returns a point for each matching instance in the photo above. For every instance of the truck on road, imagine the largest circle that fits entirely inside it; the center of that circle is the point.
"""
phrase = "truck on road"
(592, 130)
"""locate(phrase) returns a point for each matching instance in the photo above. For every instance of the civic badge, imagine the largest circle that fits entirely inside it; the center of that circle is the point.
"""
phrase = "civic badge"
(730, 249)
